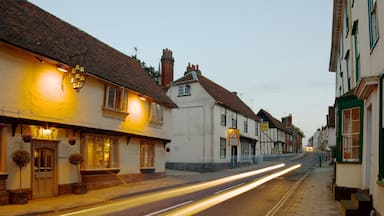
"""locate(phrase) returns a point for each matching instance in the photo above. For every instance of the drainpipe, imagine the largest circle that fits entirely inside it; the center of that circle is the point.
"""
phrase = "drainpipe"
(381, 144)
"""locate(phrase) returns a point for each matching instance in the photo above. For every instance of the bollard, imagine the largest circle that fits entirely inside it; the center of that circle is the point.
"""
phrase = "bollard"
(319, 160)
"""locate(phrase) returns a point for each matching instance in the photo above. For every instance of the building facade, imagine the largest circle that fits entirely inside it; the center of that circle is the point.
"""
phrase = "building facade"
(356, 58)
(213, 127)
(62, 92)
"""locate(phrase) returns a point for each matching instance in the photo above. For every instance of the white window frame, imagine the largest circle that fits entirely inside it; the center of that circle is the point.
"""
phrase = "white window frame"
(348, 133)
(116, 100)
(223, 116)
(184, 90)
(157, 113)
(234, 120)
(246, 125)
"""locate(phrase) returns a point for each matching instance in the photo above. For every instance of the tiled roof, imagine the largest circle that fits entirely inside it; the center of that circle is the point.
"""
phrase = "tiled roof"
(272, 121)
(26, 26)
(220, 94)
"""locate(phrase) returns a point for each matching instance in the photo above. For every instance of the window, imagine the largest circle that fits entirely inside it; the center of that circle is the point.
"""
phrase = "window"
(184, 90)
(351, 134)
(244, 151)
(347, 69)
(116, 98)
(234, 120)
(100, 152)
(346, 12)
(355, 32)
(256, 128)
(223, 146)
(223, 117)
(373, 25)
(147, 155)
(246, 125)
(156, 113)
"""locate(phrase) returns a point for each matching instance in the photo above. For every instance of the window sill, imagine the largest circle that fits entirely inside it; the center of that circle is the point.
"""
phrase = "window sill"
(100, 171)
(184, 95)
(147, 170)
(111, 113)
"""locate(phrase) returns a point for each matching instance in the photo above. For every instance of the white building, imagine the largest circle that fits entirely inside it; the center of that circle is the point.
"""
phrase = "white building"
(356, 58)
(206, 123)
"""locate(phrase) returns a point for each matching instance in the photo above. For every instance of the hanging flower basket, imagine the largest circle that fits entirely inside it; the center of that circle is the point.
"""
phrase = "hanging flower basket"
(27, 138)
(72, 140)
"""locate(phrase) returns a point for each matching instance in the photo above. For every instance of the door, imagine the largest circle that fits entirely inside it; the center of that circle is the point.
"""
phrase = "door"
(44, 169)
(234, 156)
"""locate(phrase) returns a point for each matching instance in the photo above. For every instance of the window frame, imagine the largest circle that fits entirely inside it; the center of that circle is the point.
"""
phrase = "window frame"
(373, 23)
(158, 110)
(184, 90)
(349, 133)
(223, 116)
(147, 161)
(223, 148)
(234, 120)
(119, 101)
(245, 125)
(113, 160)
(256, 128)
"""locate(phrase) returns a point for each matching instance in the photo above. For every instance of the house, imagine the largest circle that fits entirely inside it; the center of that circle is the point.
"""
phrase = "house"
(66, 92)
(275, 138)
(356, 59)
(294, 138)
(212, 127)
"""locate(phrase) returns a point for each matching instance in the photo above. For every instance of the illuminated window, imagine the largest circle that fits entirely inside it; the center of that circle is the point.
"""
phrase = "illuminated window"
(223, 146)
(116, 98)
(100, 152)
(157, 113)
(184, 90)
(147, 155)
(351, 134)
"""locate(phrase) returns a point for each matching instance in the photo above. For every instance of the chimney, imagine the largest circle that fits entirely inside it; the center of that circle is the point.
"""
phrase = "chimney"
(192, 67)
(167, 62)
(287, 121)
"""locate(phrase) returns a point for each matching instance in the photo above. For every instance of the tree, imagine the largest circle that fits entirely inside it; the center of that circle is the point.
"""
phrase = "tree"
(154, 74)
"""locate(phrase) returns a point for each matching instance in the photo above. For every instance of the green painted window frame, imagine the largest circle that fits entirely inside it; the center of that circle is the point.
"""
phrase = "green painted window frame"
(373, 23)
(348, 102)
(381, 134)
(355, 33)
(346, 13)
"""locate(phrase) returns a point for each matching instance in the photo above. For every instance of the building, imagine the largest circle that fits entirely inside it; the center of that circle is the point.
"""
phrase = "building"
(66, 92)
(294, 138)
(213, 127)
(356, 59)
(275, 138)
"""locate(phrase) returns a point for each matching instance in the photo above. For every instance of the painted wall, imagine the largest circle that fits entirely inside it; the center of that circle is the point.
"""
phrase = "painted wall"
(348, 175)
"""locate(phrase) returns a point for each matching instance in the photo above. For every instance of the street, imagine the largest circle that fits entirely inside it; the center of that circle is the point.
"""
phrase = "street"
(253, 201)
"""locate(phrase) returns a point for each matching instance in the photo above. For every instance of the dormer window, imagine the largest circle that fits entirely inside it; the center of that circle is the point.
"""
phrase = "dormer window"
(116, 99)
(184, 90)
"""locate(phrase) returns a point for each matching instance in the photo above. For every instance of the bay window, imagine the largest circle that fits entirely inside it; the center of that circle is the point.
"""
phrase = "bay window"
(100, 152)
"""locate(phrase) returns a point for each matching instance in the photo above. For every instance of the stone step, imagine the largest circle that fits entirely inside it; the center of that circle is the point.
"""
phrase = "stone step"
(363, 202)
(348, 208)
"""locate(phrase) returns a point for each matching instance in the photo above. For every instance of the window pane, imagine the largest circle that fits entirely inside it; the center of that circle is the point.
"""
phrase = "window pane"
(355, 114)
(355, 127)
(111, 97)
(119, 104)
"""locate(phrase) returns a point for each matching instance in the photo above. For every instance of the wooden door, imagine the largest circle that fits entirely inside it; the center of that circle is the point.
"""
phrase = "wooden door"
(44, 169)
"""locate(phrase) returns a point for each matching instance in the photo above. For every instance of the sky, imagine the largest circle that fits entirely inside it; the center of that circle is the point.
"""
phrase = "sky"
(274, 54)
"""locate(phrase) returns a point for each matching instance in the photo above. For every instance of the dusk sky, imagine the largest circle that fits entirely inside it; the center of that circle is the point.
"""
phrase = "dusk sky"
(275, 54)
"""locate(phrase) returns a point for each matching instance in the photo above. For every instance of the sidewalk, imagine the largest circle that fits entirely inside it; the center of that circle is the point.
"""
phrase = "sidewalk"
(314, 196)
(174, 178)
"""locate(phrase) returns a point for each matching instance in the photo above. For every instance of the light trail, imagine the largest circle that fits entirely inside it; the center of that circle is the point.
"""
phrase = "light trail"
(169, 208)
(203, 204)
(157, 196)
(225, 189)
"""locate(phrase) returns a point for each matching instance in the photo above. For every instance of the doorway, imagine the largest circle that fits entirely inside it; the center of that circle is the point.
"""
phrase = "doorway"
(234, 156)
(44, 169)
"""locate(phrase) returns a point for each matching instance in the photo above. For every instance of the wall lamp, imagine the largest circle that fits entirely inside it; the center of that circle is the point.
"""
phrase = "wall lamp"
(61, 68)
(77, 77)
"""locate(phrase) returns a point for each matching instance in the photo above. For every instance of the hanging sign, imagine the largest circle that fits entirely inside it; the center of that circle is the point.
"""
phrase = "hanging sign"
(233, 137)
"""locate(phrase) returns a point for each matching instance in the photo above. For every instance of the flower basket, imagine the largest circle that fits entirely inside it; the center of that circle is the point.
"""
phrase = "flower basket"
(27, 138)
(72, 141)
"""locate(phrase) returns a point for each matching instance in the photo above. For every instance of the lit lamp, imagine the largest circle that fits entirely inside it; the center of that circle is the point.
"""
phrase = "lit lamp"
(77, 77)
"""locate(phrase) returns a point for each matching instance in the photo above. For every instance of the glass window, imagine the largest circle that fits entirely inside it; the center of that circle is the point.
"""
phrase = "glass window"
(234, 120)
(223, 146)
(256, 128)
(373, 24)
(184, 90)
(147, 155)
(101, 152)
(116, 99)
(244, 151)
(223, 116)
(346, 17)
(157, 113)
(347, 69)
(246, 125)
(351, 134)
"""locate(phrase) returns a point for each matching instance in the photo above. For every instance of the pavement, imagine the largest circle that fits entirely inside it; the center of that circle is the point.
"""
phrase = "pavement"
(312, 197)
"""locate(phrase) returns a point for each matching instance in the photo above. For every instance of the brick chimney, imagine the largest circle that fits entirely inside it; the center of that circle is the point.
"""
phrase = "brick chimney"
(287, 121)
(192, 67)
(167, 62)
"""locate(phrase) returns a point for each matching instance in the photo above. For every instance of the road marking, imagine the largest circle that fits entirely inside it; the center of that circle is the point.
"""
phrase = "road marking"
(208, 202)
(277, 207)
(228, 188)
(169, 208)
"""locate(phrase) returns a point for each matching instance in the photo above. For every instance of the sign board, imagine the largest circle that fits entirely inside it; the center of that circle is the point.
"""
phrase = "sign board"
(264, 126)
(233, 137)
